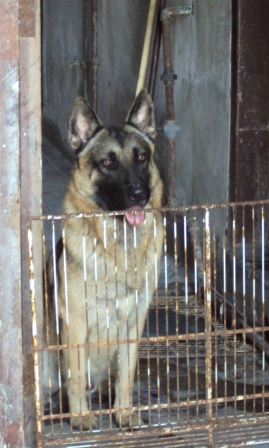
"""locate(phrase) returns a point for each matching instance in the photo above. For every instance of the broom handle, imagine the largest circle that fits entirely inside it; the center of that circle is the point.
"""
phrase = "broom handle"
(146, 48)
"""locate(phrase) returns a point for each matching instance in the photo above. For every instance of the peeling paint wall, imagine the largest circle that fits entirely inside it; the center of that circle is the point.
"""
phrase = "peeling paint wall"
(11, 403)
(20, 196)
(202, 62)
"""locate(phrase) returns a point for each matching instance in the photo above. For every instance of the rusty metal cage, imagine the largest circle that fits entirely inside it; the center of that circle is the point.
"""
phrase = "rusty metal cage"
(201, 377)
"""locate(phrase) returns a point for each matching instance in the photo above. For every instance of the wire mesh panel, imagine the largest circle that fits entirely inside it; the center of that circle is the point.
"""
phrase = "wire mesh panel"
(152, 334)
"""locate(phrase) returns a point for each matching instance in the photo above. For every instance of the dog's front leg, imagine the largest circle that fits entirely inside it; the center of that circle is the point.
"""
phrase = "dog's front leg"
(125, 378)
(74, 360)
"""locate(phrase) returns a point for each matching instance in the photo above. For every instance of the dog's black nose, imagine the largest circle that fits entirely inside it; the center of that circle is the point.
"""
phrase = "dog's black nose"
(138, 194)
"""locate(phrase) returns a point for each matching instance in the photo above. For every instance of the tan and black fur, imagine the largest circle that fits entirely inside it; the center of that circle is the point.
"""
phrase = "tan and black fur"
(115, 170)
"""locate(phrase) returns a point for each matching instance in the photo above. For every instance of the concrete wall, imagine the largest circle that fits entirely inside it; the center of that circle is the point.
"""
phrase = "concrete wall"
(202, 61)
(62, 40)
(122, 26)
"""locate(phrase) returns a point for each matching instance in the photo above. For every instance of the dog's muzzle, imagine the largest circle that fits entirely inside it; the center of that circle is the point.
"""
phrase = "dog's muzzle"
(138, 194)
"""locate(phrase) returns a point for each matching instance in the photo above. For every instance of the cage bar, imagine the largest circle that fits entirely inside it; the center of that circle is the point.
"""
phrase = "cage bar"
(202, 363)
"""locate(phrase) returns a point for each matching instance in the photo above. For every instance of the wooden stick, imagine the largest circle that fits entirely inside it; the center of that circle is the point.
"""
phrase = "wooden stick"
(146, 48)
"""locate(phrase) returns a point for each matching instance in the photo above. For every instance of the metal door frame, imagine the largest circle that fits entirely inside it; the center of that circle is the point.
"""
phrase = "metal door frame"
(20, 196)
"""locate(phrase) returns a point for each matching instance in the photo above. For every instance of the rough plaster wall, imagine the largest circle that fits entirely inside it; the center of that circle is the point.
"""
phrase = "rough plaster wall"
(201, 58)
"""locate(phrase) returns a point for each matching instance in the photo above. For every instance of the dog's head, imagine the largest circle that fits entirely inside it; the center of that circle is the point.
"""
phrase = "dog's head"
(115, 166)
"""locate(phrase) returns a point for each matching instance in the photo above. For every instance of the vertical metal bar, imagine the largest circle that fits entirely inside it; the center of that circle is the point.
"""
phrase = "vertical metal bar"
(208, 320)
(165, 254)
(187, 315)
(158, 376)
(34, 335)
(97, 317)
(186, 265)
(175, 241)
(79, 381)
(168, 78)
(254, 298)
(147, 328)
(244, 338)
(234, 315)
(214, 291)
(30, 180)
(170, 114)
(195, 244)
(263, 320)
(57, 300)
(136, 323)
(57, 319)
(85, 279)
(198, 255)
(224, 305)
(126, 264)
(55, 278)
(116, 273)
(108, 338)
(46, 323)
(199, 280)
(65, 277)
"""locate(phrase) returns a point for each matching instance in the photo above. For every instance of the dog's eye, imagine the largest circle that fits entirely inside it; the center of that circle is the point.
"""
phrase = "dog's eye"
(141, 157)
(107, 162)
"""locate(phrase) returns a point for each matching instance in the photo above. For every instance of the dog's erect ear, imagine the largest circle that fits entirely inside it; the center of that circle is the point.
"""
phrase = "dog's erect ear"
(141, 114)
(83, 123)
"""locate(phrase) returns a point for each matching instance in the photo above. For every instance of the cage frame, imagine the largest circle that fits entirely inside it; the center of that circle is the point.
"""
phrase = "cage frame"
(210, 430)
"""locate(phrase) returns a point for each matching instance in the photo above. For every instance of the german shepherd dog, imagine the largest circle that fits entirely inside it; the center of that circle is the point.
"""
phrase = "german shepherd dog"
(114, 171)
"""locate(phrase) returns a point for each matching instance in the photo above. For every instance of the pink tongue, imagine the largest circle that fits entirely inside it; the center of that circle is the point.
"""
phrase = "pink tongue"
(135, 218)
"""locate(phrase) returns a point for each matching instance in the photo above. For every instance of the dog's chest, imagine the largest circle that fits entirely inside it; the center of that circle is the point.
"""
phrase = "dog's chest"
(112, 275)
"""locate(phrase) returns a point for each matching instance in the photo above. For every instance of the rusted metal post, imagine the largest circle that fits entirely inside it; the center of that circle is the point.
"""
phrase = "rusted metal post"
(198, 253)
(94, 56)
(30, 178)
(35, 337)
(11, 384)
(168, 77)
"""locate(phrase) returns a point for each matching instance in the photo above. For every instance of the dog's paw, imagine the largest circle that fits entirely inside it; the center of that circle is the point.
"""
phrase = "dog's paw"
(87, 422)
(126, 420)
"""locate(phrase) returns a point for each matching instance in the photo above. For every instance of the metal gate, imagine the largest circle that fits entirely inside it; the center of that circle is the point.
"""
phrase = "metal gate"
(201, 377)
